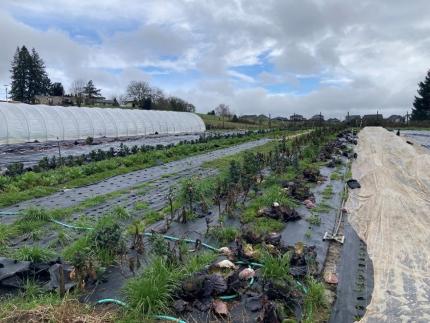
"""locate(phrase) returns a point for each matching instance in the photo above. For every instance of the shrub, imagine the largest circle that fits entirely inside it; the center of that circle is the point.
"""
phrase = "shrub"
(89, 141)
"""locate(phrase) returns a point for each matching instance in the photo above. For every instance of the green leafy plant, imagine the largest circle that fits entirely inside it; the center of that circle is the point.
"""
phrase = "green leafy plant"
(276, 267)
(314, 302)
(120, 212)
(34, 254)
(224, 235)
(151, 292)
(314, 219)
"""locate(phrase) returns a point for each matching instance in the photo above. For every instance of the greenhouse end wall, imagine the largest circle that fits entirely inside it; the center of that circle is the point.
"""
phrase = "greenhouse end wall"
(21, 123)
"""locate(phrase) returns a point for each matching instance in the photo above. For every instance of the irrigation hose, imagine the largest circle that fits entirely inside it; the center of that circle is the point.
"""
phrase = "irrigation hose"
(148, 234)
(121, 303)
(71, 226)
(8, 213)
(111, 300)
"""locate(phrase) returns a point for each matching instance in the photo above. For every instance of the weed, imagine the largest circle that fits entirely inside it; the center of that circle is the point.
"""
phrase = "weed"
(152, 216)
(328, 192)
(276, 267)
(139, 205)
(308, 234)
(159, 246)
(224, 235)
(33, 254)
(314, 219)
(35, 214)
(151, 292)
(314, 302)
(120, 212)
(322, 208)
(335, 176)
(199, 261)
(6, 232)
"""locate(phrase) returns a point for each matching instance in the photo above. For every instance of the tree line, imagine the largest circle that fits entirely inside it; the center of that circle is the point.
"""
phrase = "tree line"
(30, 79)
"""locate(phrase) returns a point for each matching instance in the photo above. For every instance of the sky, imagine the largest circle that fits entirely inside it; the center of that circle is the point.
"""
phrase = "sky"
(278, 57)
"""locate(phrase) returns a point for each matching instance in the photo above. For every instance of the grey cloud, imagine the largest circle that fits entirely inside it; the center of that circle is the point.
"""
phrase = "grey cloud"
(368, 54)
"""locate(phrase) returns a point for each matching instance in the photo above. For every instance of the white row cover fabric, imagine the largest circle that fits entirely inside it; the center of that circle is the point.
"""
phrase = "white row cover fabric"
(21, 122)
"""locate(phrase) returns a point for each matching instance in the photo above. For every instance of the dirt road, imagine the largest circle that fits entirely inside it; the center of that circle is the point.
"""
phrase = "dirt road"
(391, 213)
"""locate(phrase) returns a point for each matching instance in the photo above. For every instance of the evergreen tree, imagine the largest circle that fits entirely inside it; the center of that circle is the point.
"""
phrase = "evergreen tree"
(29, 77)
(20, 70)
(39, 82)
(91, 91)
(56, 89)
(421, 110)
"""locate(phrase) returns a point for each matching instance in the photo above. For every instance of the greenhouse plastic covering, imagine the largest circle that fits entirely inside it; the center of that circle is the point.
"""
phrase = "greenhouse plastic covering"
(21, 122)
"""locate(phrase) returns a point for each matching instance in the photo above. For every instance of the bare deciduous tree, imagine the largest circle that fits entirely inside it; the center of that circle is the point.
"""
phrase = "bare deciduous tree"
(223, 110)
(77, 89)
(139, 92)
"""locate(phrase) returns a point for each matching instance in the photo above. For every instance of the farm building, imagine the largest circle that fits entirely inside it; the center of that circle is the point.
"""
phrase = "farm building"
(21, 122)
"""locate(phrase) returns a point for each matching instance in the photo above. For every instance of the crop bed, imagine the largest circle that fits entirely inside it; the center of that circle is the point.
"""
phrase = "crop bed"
(233, 234)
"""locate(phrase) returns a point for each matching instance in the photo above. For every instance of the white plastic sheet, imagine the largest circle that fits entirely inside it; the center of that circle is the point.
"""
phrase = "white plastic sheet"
(21, 122)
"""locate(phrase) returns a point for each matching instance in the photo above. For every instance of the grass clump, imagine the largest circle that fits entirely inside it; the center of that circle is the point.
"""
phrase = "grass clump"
(224, 235)
(33, 304)
(152, 216)
(33, 254)
(327, 193)
(120, 212)
(152, 291)
(276, 267)
(335, 176)
(315, 303)
(139, 205)
(102, 243)
(36, 214)
(314, 219)
(322, 208)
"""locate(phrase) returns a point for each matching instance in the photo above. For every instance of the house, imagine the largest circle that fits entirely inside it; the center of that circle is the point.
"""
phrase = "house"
(282, 119)
(333, 120)
(297, 117)
(372, 119)
(317, 117)
(55, 100)
(353, 119)
(395, 119)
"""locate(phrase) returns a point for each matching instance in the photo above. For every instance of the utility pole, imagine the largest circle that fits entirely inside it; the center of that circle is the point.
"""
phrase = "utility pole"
(6, 90)
(407, 118)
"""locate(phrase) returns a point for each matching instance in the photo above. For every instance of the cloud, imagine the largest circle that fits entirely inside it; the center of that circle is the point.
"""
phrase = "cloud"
(278, 57)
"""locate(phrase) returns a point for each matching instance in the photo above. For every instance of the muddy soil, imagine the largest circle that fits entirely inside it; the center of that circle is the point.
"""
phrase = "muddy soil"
(302, 230)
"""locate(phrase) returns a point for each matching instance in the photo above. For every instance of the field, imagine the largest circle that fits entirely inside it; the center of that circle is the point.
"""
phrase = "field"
(244, 212)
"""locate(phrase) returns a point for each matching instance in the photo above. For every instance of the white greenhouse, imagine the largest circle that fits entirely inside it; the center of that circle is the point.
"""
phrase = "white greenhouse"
(21, 123)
